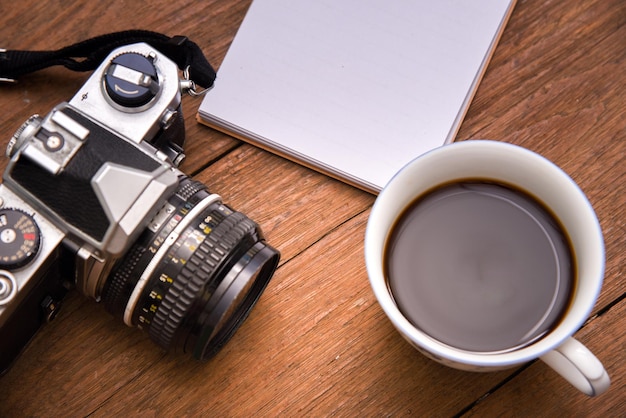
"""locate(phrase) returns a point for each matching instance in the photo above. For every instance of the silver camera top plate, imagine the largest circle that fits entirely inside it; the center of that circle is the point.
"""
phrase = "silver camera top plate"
(134, 123)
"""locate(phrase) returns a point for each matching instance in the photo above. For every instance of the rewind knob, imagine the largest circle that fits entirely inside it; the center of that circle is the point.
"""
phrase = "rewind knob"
(131, 80)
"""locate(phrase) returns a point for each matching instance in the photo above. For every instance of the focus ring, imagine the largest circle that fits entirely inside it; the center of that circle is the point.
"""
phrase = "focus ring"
(195, 275)
(189, 189)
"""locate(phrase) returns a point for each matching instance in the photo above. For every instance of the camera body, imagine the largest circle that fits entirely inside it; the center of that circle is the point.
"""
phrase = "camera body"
(92, 198)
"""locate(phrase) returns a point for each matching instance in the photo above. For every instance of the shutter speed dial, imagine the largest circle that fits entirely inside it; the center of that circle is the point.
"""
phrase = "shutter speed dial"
(20, 238)
(131, 80)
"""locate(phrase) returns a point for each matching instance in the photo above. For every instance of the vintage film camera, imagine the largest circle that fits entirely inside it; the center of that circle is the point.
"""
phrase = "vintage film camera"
(92, 198)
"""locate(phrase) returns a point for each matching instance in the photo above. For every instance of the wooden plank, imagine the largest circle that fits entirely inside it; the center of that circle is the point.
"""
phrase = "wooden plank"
(545, 45)
(75, 363)
(539, 392)
(294, 205)
(318, 343)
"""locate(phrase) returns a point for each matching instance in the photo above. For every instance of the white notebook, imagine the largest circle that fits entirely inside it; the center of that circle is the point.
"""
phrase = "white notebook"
(354, 88)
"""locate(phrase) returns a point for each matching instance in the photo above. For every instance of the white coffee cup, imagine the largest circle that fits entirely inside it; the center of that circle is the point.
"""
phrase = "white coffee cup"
(514, 165)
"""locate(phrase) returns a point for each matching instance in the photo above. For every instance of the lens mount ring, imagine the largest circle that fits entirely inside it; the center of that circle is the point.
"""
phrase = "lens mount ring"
(120, 284)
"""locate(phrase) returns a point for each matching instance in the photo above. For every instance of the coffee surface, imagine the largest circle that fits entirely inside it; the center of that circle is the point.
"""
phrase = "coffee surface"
(480, 266)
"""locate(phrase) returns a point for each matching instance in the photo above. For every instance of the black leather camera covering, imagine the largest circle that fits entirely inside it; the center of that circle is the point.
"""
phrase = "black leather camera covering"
(70, 194)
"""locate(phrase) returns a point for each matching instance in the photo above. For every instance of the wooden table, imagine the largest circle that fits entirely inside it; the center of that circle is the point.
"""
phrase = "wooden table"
(318, 343)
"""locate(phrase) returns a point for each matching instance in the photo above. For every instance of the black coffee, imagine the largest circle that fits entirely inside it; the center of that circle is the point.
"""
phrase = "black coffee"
(480, 266)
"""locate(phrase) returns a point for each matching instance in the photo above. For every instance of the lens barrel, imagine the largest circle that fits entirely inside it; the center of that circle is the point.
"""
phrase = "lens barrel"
(193, 275)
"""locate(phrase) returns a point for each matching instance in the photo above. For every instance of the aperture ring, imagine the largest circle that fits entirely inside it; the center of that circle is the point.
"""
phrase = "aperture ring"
(163, 249)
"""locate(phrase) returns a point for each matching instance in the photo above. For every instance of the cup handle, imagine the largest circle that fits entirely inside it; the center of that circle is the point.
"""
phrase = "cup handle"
(579, 366)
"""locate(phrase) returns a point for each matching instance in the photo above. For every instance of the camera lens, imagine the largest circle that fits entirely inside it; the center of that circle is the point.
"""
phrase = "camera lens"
(193, 275)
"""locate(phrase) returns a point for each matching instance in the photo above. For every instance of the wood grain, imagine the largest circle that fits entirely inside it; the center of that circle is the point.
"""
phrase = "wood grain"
(318, 344)
(564, 400)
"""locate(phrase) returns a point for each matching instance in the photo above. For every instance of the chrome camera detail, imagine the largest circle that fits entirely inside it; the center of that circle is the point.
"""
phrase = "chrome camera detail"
(92, 198)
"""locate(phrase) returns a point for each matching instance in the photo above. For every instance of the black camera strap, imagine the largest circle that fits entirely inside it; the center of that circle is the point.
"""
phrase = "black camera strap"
(89, 54)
